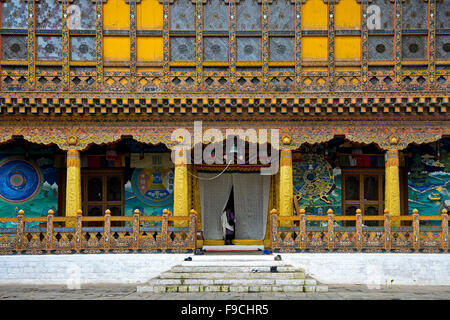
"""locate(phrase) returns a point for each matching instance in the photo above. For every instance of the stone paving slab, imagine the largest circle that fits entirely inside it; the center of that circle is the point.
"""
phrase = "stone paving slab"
(128, 292)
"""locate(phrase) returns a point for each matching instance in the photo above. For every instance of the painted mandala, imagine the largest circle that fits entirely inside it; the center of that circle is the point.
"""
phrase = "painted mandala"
(154, 187)
(313, 178)
(20, 180)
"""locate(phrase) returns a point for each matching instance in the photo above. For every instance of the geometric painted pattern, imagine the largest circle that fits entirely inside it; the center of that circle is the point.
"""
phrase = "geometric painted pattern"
(414, 14)
(82, 48)
(281, 49)
(249, 49)
(14, 47)
(182, 48)
(48, 14)
(215, 15)
(182, 15)
(14, 15)
(215, 48)
(414, 47)
(49, 48)
(443, 47)
(282, 15)
(381, 47)
(248, 14)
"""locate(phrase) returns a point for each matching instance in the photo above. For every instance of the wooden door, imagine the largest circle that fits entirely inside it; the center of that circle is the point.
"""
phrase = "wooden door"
(103, 189)
(363, 189)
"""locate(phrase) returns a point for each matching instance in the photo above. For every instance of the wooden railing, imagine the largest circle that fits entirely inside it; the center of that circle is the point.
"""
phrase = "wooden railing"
(330, 233)
(118, 234)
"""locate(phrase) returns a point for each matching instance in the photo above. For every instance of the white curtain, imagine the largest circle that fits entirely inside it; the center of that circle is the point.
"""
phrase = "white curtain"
(214, 193)
(251, 202)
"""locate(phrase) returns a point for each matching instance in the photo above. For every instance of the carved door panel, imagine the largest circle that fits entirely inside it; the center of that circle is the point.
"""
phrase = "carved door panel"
(363, 189)
(102, 190)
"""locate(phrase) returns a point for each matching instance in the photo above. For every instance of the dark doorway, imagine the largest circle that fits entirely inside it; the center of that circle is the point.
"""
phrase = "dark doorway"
(230, 203)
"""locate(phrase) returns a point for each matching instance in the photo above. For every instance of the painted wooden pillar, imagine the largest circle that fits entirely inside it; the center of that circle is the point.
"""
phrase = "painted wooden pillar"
(286, 185)
(73, 181)
(180, 187)
(392, 184)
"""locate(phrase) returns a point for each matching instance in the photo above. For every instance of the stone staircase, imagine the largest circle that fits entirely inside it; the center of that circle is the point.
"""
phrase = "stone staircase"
(233, 273)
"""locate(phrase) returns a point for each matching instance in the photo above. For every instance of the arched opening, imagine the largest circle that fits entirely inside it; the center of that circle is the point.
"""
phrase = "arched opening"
(30, 179)
(124, 176)
(343, 176)
(428, 178)
(234, 181)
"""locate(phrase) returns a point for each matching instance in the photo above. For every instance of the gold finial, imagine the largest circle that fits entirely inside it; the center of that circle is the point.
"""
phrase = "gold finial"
(165, 211)
(386, 211)
(358, 211)
(273, 211)
(21, 212)
(330, 211)
(51, 212)
(79, 212)
(302, 211)
(193, 211)
(137, 211)
(444, 211)
(286, 139)
(415, 211)
(393, 140)
(108, 211)
(72, 140)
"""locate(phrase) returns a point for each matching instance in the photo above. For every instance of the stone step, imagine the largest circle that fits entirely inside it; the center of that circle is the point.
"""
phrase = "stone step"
(235, 275)
(233, 282)
(239, 257)
(228, 248)
(234, 268)
(235, 263)
(228, 288)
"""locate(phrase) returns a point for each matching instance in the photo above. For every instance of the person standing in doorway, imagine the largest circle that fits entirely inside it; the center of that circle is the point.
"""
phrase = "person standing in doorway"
(228, 222)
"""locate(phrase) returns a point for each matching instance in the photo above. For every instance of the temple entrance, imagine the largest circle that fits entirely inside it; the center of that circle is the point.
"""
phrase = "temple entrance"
(246, 193)
(102, 189)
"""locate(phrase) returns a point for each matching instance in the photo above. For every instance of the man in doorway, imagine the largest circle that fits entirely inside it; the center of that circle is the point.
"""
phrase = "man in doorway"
(228, 221)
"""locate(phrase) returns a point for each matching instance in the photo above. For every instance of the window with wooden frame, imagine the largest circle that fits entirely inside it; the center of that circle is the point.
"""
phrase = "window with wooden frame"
(102, 190)
(363, 189)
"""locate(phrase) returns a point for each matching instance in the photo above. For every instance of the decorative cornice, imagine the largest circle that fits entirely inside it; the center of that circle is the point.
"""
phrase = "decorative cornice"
(387, 135)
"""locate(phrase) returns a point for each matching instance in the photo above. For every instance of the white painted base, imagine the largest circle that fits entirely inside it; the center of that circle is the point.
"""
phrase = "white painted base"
(231, 248)
(329, 268)
(374, 269)
(76, 270)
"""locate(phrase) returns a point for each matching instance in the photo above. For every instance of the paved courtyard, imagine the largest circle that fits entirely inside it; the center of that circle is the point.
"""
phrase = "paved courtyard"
(128, 292)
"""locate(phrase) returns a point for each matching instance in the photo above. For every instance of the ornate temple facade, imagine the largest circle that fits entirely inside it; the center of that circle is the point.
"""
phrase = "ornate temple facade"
(92, 92)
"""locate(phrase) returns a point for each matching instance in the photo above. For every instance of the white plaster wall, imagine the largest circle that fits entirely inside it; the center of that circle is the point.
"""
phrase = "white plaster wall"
(81, 269)
(374, 269)
(328, 268)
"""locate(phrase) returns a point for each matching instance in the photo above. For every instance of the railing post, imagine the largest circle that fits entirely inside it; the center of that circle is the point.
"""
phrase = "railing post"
(444, 228)
(49, 235)
(302, 229)
(78, 231)
(193, 229)
(416, 231)
(387, 230)
(107, 229)
(136, 231)
(330, 225)
(273, 229)
(359, 231)
(20, 225)
(164, 230)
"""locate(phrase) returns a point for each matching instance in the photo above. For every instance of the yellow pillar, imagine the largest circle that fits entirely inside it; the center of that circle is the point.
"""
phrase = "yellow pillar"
(180, 187)
(73, 182)
(286, 185)
(392, 184)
